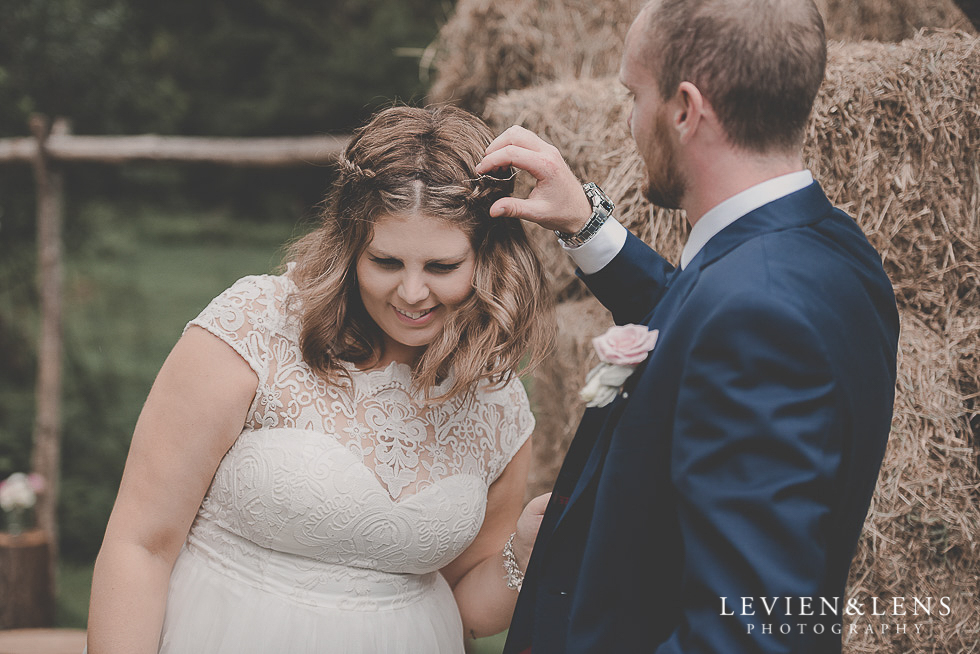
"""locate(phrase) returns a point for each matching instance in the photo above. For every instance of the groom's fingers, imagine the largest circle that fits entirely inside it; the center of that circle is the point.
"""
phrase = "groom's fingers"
(539, 165)
(517, 135)
(557, 201)
(563, 206)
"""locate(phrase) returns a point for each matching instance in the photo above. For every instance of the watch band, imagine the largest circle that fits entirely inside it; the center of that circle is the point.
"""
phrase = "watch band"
(602, 208)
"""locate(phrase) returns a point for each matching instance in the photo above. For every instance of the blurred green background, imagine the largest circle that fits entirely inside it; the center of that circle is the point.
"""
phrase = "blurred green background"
(147, 246)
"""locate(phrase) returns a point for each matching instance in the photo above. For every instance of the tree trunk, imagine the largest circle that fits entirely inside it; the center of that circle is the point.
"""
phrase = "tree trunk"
(26, 599)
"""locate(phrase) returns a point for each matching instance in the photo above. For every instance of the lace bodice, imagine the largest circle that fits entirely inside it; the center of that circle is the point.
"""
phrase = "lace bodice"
(365, 475)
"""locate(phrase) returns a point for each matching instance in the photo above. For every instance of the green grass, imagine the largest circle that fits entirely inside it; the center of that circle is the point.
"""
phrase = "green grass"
(132, 290)
(133, 276)
(489, 645)
(74, 586)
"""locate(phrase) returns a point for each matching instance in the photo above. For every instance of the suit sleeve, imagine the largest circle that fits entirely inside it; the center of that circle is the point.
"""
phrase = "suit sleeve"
(632, 283)
(756, 450)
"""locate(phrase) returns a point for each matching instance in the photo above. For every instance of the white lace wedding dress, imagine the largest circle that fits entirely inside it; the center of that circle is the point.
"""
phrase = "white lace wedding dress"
(328, 520)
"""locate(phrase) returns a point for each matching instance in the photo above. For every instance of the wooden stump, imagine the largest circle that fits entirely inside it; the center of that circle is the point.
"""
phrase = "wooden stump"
(26, 598)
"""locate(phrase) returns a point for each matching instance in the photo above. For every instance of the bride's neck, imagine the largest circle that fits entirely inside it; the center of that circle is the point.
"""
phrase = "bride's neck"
(395, 352)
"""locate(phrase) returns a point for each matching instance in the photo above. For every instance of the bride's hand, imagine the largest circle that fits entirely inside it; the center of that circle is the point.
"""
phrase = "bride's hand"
(527, 528)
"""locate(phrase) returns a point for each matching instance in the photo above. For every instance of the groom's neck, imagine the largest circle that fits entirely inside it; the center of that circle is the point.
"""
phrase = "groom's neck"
(716, 176)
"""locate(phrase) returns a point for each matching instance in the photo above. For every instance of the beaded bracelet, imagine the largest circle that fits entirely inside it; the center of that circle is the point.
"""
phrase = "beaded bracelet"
(515, 578)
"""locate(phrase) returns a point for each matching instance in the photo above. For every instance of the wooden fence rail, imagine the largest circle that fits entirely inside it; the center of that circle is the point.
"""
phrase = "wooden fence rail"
(50, 148)
(259, 152)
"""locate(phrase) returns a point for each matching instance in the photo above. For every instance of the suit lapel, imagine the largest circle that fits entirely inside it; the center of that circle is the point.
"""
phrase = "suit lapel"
(679, 286)
(586, 436)
(595, 457)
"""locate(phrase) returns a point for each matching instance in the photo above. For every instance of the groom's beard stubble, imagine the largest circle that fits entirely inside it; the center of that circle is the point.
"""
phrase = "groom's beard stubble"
(664, 185)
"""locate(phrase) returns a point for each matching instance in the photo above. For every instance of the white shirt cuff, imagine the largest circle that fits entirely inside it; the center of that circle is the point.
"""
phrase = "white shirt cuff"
(596, 253)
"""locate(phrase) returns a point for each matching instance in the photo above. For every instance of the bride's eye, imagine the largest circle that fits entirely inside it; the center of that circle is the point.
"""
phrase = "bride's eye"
(444, 267)
(390, 264)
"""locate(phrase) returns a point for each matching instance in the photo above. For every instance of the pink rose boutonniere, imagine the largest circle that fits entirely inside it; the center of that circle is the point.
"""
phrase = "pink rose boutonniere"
(621, 349)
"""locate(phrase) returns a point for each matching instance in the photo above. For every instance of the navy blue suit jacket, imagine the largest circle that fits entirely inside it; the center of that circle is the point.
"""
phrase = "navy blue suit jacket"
(741, 460)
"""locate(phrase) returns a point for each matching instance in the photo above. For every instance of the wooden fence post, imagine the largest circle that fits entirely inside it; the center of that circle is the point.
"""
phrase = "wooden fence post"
(46, 459)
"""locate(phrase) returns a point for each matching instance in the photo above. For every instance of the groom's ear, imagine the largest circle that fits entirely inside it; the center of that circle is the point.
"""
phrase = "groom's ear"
(688, 111)
(694, 117)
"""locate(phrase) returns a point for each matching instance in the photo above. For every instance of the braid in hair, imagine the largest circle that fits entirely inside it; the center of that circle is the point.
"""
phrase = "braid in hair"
(353, 171)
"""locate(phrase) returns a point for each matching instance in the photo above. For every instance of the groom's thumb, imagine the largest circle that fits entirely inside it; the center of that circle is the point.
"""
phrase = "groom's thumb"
(505, 208)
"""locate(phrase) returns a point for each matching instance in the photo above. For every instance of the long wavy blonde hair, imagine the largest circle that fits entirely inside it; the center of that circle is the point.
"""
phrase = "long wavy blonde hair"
(407, 161)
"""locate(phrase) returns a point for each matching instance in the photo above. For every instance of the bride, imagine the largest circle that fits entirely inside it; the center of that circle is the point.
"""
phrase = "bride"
(334, 459)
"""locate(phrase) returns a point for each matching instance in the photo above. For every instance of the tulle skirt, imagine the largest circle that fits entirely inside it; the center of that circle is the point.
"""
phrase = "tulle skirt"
(220, 607)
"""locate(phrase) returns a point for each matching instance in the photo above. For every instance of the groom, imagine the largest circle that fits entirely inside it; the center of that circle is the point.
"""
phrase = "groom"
(714, 505)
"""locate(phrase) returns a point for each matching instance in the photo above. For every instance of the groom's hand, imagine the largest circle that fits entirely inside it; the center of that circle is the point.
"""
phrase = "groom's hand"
(557, 201)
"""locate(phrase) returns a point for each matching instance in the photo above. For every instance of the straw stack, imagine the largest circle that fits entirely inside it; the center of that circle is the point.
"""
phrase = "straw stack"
(888, 20)
(554, 389)
(921, 538)
(491, 46)
(488, 47)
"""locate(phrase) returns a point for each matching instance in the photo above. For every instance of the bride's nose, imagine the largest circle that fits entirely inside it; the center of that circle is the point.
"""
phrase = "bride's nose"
(413, 289)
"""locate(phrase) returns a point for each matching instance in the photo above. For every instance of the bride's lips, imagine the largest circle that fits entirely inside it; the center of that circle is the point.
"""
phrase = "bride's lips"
(428, 315)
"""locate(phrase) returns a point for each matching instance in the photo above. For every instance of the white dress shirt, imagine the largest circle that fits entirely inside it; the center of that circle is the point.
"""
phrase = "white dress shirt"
(596, 253)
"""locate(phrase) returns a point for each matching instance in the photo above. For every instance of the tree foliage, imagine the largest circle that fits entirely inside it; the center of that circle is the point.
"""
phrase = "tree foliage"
(223, 67)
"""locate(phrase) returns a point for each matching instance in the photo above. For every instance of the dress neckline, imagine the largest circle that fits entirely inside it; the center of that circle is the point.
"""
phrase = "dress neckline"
(395, 371)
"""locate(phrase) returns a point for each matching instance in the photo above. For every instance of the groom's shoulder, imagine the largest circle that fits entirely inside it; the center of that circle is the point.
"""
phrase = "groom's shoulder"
(830, 245)
(820, 264)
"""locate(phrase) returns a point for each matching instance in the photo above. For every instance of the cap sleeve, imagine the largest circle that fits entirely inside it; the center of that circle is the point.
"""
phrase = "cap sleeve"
(244, 316)
(516, 426)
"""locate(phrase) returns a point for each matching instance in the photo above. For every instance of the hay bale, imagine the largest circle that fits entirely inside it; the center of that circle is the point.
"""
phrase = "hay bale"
(893, 141)
(888, 20)
(486, 48)
(922, 534)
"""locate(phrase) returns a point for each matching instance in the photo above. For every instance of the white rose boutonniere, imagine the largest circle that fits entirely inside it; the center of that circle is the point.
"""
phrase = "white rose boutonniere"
(621, 349)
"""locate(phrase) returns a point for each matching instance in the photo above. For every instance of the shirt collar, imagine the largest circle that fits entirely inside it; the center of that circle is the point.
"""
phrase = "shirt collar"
(722, 215)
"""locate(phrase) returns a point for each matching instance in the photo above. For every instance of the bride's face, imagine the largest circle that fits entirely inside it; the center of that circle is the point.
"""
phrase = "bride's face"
(416, 270)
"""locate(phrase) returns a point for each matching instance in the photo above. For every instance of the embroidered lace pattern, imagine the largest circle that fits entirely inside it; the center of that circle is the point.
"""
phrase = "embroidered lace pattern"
(329, 481)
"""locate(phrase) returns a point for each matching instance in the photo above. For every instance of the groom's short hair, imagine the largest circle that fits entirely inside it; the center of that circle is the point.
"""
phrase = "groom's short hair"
(759, 63)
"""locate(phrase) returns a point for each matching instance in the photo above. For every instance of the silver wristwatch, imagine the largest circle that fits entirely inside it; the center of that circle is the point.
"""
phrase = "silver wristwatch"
(602, 208)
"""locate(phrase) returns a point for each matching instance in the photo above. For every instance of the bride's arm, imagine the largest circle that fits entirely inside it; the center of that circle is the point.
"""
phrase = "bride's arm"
(485, 603)
(194, 412)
